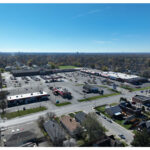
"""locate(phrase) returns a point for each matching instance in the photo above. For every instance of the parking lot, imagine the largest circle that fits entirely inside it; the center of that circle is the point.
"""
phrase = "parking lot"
(73, 82)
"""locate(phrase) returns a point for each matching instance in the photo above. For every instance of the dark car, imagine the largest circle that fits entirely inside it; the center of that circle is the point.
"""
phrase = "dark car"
(121, 136)
(148, 109)
(97, 112)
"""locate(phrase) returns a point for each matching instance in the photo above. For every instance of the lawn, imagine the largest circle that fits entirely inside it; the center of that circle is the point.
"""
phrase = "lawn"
(127, 126)
(102, 110)
(98, 97)
(134, 89)
(72, 115)
(22, 112)
(4, 86)
(63, 104)
(113, 104)
(120, 122)
(67, 67)
(78, 111)
(126, 87)
(140, 89)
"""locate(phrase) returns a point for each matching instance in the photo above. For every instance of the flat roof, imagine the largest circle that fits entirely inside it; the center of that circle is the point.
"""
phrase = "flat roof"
(25, 70)
(28, 95)
(122, 75)
(142, 98)
(110, 73)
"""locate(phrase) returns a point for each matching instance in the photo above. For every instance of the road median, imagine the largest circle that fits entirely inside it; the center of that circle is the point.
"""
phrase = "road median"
(20, 113)
(98, 97)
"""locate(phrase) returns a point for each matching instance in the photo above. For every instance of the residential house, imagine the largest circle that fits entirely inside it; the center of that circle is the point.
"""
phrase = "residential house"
(148, 124)
(70, 125)
(80, 117)
(141, 99)
(114, 111)
(55, 132)
(20, 138)
(129, 109)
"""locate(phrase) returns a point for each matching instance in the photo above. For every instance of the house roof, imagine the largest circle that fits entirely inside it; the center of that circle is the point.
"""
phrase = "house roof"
(20, 138)
(142, 98)
(148, 123)
(130, 118)
(54, 130)
(70, 123)
(81, 116)
(114, 109)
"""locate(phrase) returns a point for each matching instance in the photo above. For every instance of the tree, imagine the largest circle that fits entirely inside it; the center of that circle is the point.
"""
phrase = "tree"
(104, 68)
(92, 66)
(143, 108)
(141, 139)
(2, 70)
(123, 99)
(3, 103)
(29, 63)
(41, 121)
(53, 66)
(94, 128)
(146, 73)
(50, 115)
(79, 132)
(1, 81)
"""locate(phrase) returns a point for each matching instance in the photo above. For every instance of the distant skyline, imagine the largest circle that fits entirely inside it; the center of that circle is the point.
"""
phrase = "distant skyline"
(87, 28)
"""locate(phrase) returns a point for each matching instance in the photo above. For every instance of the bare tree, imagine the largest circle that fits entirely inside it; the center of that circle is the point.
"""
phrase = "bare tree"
(79, 132)
(41, 121)
(94, 128)
(50, 115)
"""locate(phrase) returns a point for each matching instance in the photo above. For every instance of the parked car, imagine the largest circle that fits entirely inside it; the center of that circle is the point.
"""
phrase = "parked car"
(121, 136)
(3, 129)
(104, 117)
(98, 113)
(109, 120)
(148, 109)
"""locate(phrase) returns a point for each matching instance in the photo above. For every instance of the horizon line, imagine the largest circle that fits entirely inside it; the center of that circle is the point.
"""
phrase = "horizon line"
(83, 52)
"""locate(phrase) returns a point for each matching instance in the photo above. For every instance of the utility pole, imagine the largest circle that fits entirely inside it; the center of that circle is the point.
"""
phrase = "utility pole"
(0, 138)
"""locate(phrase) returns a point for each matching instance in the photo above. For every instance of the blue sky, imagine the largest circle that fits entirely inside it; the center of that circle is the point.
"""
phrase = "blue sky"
(75, 27)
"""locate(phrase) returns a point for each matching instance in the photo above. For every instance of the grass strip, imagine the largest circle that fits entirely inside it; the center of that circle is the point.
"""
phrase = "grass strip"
(22, 112)
(135, 89)
(63, 104)
(97, 97)
(140, 89)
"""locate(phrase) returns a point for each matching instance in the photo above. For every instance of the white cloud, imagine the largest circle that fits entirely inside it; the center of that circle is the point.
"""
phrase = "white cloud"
(103, 42)
(93, 11)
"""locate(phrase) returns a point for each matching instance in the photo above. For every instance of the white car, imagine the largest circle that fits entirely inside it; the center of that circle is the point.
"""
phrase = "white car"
(3, 129)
